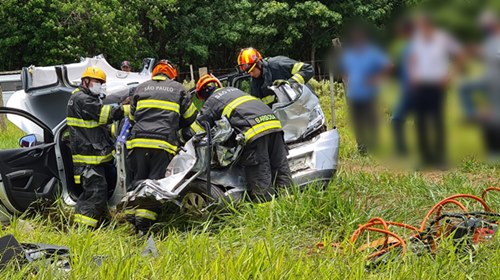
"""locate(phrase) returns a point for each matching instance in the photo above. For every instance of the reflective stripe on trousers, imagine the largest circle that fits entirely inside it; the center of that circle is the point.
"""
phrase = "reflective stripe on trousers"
(86, 220)
(147, 214)
(91, 159)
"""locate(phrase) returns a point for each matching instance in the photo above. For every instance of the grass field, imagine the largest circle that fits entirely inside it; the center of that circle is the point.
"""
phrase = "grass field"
(277, 240)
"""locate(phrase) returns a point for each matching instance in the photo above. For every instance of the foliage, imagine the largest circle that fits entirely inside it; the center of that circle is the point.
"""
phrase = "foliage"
(46, 32)
(203, 33)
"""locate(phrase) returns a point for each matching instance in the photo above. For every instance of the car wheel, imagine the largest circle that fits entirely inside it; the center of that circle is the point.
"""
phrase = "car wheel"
(195, 200)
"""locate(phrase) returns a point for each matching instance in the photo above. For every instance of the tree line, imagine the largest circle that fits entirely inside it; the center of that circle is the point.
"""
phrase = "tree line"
(198, 32)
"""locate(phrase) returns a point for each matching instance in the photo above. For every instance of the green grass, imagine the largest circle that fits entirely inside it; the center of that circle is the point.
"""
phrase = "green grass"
(277, 240)
(9, 137)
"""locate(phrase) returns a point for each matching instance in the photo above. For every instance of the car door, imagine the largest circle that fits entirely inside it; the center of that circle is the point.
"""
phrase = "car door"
(28, 174)
(241, 82)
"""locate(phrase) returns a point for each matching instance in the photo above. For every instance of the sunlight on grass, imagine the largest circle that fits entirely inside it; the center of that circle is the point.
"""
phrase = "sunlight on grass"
(271, 240)
(276, 240)
(9, 138)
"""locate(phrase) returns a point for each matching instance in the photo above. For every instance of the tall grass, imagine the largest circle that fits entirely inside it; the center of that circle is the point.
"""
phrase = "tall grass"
(276, 240)
(10, 135)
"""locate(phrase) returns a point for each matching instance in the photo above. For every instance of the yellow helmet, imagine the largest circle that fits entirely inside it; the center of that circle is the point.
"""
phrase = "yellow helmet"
(94, 73)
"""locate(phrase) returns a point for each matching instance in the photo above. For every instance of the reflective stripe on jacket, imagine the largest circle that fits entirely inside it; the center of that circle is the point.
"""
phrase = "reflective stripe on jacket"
(279, 68)
(160, 108)
(245, 113)
(88, 119)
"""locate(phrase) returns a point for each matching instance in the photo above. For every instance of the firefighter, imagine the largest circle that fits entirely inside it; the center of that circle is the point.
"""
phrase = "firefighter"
(159, 108)
(91, 145)
(264, 155)
(272, 71)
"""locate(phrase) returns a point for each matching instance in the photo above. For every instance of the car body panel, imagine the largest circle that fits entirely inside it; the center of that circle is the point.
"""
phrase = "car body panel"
(46, 90)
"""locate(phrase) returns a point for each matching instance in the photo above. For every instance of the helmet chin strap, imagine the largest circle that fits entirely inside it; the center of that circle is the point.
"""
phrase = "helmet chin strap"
(207, 92)
(259, 64)
(86, 83)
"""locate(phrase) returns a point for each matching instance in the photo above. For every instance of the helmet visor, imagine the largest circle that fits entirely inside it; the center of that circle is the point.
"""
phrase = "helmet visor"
(246, 67)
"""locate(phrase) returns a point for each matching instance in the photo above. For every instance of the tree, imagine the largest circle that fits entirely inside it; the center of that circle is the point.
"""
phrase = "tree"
(198, 32)
(316, 24)
(47, 32)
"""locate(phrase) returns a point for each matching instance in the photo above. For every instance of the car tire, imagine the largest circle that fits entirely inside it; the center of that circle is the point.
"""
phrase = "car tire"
(195, 200)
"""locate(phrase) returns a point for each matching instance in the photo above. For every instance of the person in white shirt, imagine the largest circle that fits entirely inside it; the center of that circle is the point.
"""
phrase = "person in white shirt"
(430, 57)
(489, 115)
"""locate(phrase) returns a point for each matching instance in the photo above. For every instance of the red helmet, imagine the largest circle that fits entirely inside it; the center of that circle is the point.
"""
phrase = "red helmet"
(166, 68)
(206, 85)
(248, 58)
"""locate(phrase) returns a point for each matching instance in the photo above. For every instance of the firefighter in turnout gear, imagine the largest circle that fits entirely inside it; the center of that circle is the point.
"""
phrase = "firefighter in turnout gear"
(91, 145)
(159, 109)
(264, 154)
(271, 71)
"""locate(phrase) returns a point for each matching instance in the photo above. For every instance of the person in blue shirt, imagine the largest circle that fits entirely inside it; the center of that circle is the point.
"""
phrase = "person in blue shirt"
(363, 65)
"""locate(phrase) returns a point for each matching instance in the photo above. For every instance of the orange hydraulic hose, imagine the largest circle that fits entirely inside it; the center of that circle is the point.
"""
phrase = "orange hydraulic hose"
(361, 228)
(400, 242)
(382, 251)
(453, 201)
(447, 200)
(437, 208)
(371, 222)
(483, 195)
(438, 211)
(379, 221)
(402, 225)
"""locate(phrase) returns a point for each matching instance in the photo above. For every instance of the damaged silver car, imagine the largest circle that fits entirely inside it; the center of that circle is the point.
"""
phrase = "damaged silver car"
(41, 169)
(204, 173)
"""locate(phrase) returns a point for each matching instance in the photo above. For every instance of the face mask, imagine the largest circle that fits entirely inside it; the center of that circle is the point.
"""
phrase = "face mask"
(95, 88)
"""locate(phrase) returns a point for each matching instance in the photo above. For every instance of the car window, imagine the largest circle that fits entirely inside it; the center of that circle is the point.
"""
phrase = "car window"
(10, 133)
(65, 134)
(244, 85)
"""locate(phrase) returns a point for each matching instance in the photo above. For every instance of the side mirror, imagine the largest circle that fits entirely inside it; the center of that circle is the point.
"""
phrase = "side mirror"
(27, 141)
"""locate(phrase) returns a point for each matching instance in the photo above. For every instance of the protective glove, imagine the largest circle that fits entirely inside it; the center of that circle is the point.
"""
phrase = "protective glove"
(278, 83)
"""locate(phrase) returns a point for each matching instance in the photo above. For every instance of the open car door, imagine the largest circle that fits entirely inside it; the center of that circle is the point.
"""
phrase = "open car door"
(28, 174)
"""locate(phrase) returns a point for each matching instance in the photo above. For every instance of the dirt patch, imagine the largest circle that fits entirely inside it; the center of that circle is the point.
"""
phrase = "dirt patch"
(401, 168)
